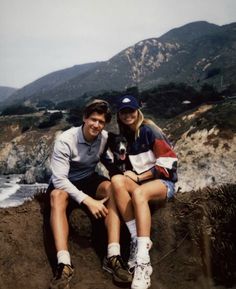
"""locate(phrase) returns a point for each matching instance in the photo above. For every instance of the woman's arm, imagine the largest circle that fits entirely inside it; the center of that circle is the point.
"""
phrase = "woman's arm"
(148, 175)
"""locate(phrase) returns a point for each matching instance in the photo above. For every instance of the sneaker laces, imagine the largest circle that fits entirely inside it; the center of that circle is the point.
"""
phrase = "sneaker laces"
(61, 272)
(118, 262)
(140, 271)
(133, 250)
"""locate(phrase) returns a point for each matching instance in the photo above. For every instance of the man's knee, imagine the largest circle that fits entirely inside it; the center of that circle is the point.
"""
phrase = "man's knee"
(58, 198)
(118, 180)
(103, 190)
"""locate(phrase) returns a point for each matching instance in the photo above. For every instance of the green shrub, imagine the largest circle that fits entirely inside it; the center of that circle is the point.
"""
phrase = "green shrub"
(18, 109)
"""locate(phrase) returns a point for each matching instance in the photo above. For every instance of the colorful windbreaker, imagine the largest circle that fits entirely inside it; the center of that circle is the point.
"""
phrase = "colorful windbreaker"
(152, 151)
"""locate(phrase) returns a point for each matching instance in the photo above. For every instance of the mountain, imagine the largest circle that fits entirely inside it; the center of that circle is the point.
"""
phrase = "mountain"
(5, 92)
(196, 53)
(52, 80)
(200, 57)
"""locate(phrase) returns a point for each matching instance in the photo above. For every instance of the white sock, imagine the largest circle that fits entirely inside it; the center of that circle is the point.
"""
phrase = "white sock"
(113, 249)
(63, 256)
(144, 245)
(131, 225)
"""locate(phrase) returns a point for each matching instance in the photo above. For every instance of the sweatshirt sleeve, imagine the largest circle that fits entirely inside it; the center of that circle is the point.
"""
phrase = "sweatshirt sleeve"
(60, 166)
(166, 158)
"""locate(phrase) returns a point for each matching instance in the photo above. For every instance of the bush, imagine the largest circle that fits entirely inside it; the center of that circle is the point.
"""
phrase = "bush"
(24, 129)
(18, 109)
(51, 120)
(56, 116)
(46, 104)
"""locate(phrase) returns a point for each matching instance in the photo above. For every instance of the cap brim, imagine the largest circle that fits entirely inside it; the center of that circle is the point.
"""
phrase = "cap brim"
(126, 105)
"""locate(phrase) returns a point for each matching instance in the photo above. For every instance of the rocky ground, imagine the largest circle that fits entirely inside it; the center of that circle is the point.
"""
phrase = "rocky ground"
(194, 244)
(205, 142)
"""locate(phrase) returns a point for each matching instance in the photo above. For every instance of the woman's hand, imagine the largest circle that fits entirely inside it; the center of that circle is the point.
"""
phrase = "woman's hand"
(132, 176)
(96, 207)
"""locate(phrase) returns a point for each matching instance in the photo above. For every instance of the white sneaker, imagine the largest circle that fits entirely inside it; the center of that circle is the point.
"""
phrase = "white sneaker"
(133, 249)
(142, 273)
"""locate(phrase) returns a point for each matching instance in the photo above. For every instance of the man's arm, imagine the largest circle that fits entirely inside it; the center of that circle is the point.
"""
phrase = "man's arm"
(96, 207)
(60, 165)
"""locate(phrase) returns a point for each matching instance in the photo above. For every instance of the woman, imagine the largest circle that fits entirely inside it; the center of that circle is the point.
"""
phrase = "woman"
(152, 177)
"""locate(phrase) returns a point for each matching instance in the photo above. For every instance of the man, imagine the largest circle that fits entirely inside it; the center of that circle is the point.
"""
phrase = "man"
(75, 156)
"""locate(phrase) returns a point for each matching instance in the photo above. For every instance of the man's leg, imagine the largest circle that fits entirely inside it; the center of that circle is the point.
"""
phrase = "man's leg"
(60, 230)
(113, 263)
(58, 219)
(122, 187)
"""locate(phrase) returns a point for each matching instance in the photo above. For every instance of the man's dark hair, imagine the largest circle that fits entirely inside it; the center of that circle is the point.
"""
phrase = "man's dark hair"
(99, 106)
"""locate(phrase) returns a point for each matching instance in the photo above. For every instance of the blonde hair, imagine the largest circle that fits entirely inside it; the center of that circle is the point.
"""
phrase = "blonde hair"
(141, 120)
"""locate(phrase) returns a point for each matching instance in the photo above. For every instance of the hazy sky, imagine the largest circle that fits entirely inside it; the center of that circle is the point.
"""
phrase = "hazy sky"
(41, 36)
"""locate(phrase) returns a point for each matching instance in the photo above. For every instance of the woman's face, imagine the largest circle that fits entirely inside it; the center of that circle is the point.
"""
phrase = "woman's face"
(128, 116)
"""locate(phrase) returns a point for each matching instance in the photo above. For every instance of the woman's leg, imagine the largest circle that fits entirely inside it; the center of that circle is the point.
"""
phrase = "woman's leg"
(153, 190)
(123, 188)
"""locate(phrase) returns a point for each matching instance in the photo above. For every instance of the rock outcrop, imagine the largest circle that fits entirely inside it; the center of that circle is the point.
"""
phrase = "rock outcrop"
(194, 244)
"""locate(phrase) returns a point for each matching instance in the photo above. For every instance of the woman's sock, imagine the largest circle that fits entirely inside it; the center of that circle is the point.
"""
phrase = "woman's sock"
(144, 246)
(131, 225)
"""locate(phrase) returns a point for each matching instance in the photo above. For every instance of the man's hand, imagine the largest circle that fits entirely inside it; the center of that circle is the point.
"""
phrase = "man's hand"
(96, 207)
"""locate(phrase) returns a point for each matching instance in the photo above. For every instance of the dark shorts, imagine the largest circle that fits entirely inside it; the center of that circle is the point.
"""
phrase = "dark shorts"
(88, 185)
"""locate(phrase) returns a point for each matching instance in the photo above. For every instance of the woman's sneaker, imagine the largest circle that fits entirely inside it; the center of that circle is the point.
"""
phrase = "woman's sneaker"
(142, 273)
(62, 277)
(133, 249)
(116, 266)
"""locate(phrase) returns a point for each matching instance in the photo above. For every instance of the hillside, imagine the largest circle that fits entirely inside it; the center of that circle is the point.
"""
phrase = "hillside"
(52, 80)
(205, 141)
(5, 92)
(204, 138)
(209, 58)
(195, 53)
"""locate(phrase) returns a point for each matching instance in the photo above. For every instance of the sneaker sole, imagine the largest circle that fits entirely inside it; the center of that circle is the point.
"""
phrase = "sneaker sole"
(56, 286)
(149, 285)
(109, 270)
(115, 278)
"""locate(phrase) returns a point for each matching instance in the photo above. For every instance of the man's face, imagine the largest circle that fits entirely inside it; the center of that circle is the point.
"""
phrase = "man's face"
(93, 125)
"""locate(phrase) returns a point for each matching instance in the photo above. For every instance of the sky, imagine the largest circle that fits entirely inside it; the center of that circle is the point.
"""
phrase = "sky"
(38, 37)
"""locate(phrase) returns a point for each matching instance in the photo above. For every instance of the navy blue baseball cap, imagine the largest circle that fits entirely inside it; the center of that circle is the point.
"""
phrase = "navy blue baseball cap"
(127, 101)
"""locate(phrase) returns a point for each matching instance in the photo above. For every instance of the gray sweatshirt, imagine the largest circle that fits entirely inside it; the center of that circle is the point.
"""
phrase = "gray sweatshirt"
(73, 159)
